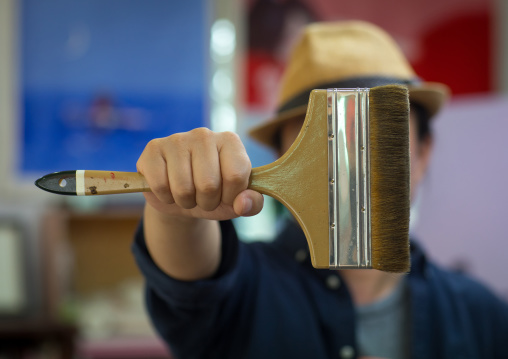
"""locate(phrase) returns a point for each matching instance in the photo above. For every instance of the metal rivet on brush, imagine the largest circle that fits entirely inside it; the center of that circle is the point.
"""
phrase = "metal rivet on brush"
(333, 225)
(332, 181)
(363, 209)
(331, 136)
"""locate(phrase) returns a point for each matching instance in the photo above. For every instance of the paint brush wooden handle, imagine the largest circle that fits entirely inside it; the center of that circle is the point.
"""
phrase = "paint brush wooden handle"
(107, 182)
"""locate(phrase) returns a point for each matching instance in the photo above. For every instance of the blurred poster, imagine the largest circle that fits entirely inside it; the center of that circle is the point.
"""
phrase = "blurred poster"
(447, 41)
(102, 78)
(273, 28)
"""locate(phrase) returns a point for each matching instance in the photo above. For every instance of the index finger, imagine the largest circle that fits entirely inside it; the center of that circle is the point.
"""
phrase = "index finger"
(235, 167)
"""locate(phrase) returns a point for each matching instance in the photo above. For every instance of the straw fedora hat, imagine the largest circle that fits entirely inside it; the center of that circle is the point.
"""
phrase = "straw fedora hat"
(346, 54)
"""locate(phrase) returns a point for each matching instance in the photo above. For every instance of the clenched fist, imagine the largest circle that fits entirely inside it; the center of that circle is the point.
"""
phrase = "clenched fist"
(199, 174)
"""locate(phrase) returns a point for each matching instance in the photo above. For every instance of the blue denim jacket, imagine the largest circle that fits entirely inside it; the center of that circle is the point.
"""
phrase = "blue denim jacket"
(267, 301)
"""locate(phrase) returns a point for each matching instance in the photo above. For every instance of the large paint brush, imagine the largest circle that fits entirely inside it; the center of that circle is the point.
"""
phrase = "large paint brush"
(345, 179)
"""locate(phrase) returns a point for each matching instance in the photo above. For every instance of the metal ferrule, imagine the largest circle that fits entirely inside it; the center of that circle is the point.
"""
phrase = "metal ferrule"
(348, 178)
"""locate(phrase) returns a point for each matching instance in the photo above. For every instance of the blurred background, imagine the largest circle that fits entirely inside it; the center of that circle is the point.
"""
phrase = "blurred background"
(86, 84)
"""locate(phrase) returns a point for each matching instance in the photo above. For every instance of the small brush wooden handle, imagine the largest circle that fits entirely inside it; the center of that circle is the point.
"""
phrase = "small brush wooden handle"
(112, 182)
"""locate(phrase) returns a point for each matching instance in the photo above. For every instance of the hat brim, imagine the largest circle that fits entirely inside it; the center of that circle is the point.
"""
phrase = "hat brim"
(431, 95)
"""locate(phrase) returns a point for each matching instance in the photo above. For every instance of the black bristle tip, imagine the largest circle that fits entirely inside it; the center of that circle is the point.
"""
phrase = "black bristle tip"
(389, 177)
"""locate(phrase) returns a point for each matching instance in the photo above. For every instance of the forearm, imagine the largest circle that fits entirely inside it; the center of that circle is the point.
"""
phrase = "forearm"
(184, 248)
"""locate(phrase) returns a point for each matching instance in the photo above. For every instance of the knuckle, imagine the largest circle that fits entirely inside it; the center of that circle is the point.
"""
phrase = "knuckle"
(231, 136)
(237, 177)
(208, 186)
(184, 193)
(202, 133)
(177, 139)
(160, 189)
(153, 145)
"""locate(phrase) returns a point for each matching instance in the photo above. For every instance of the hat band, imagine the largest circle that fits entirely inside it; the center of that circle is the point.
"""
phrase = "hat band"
(365, 82)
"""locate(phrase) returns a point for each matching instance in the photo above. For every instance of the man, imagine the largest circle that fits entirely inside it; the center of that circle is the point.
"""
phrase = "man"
(211, 296)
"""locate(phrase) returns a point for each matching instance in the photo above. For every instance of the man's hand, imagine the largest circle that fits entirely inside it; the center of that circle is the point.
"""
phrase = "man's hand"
(199, 174)
(196, 178)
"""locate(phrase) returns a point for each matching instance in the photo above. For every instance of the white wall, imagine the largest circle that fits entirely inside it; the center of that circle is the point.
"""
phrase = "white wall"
(463, 214)
(8, 85)
(20, 201)
(463, 217)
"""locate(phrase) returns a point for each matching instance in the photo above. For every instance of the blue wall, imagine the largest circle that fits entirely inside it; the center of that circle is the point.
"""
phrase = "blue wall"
(102, 78)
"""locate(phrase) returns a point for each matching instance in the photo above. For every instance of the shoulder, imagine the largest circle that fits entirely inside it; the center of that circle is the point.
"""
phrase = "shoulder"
(468, 311)
(463, 288)
(458, 314)
(444, 283)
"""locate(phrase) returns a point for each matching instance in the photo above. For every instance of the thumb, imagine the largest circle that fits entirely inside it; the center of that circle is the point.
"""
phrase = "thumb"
(248, 203)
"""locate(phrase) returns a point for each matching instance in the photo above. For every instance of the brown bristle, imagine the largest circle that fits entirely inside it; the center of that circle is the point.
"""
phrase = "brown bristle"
(389, 177)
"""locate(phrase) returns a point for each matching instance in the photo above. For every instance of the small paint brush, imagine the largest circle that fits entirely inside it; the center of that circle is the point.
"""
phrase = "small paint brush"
(87, 183)
(345, 179)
